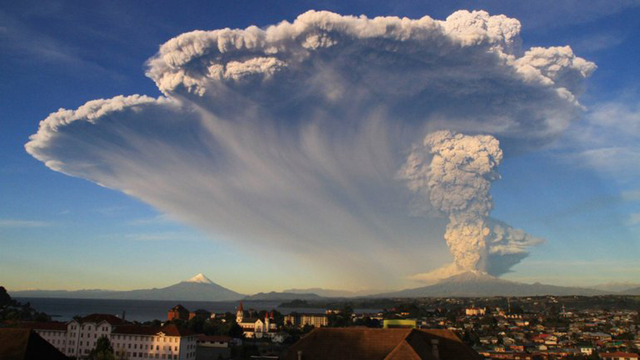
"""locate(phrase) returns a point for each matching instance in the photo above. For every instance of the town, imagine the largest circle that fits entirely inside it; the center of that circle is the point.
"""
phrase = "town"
(518, 328)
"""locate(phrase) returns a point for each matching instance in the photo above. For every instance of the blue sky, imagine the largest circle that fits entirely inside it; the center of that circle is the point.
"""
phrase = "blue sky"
(580, 193)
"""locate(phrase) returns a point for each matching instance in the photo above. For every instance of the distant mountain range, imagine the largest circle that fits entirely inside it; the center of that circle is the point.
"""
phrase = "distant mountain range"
(634, 291)
(471, 284)
(282, 296)
(332, 293)
(616, 287)
(198, 288)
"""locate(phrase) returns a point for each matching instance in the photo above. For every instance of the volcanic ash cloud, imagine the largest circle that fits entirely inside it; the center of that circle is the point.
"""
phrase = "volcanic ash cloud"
(290, 137)
(452, 174)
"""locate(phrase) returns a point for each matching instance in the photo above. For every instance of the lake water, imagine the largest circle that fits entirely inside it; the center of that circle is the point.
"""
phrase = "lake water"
(144, 310)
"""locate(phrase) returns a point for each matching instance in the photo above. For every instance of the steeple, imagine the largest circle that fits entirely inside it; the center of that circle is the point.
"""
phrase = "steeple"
(240, 313)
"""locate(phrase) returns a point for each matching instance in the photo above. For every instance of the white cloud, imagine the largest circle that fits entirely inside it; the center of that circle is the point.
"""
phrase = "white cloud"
(290, 137)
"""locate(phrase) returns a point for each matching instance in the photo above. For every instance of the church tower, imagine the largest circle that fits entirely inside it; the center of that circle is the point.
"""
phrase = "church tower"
(240, 313)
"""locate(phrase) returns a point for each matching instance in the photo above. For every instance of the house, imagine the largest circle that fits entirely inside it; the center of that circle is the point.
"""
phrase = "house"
(586, 349)
(26, 344)
(200, 314)
(178, 312)
(618, 356)
(400, 323)
(473, 311)
(214, 341)
(213, 347)
(387, 344)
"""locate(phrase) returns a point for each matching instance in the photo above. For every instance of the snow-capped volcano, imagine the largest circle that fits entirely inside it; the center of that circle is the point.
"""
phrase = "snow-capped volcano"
(198, 288)
(200, 278)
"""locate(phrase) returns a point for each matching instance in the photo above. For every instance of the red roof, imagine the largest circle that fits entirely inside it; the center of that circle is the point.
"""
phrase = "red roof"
(179, 307)
(380, 344)
(25, 344)
(173, 330)
(240, 308)
(136, 330)
(51, 325)
(98, 318)
(619, 354)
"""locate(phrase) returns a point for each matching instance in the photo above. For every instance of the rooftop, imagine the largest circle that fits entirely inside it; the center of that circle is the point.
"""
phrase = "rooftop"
(381, 344)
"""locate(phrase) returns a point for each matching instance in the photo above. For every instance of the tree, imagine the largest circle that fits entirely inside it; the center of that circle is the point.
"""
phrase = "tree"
(103, 350)
(235, 331)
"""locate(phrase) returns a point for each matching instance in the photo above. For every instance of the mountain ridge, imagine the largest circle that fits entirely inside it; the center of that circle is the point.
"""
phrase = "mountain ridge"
(475, 284)
(197, 288)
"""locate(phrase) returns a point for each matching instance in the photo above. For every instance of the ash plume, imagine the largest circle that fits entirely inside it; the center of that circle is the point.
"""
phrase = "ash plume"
(290, 137)
(452, 174)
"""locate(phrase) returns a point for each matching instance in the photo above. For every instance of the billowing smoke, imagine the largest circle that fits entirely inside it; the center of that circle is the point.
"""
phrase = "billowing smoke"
(291, 137)
(452, 173)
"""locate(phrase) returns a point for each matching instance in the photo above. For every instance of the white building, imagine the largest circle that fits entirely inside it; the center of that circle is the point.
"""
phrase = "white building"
(254, 327)
(475, 311)
(78, 337)
(142, 342)
(302, 320)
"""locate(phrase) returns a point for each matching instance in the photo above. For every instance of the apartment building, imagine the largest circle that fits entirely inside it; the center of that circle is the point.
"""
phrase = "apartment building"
(78, 337)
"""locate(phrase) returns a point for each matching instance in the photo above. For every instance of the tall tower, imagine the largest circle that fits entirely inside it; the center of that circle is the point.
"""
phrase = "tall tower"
(240, 313)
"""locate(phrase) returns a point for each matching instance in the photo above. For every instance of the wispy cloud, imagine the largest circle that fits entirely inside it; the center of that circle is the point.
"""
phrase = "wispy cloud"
(16, 223)
(24, 43)
(607, 141)
(162, 236)
(160, 219)
(634, 219)
(111, 210)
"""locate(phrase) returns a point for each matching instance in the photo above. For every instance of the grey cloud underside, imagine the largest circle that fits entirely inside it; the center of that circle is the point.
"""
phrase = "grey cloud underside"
(293, 135)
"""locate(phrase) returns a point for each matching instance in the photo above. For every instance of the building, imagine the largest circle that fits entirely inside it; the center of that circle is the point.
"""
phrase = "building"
(213, 347)
(399, 323)
(474, 311)
(254, 327)
(302, 320)
(26, 344)
(214, 341)
(619, 356)
(387, 344)
(146, 342)
(178, 312)
(78, 337)
(200, 314)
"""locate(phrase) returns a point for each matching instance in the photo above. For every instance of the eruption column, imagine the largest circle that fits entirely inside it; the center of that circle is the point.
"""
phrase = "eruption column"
(456, 181)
